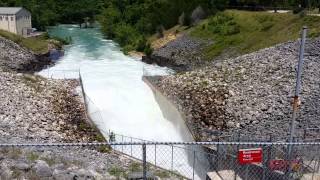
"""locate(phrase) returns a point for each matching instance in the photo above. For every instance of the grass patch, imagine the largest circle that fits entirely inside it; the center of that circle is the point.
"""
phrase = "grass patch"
(162, 174)
(33, 82)
(135, 167)
(13, 153)
(118, 172)
(49, 161)
(31, 156)
(16, 173)
(246, 32)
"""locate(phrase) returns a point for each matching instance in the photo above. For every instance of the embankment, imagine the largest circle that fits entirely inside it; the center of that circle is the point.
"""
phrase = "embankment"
(251, 94)
(17, 58)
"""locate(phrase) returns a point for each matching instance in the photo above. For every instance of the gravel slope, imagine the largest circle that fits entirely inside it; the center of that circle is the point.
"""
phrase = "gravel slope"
(181, 54)
(251, 94)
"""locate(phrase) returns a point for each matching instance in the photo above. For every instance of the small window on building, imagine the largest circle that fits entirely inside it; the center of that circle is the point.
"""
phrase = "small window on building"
(11, 18)
(7, 18)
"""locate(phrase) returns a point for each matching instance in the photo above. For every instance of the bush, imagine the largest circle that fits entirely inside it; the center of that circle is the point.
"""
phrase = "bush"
(141, 44)
(64, 41)
(148, 49)
(223, 24)
(302, 14)
(160, 30)
(297, 10)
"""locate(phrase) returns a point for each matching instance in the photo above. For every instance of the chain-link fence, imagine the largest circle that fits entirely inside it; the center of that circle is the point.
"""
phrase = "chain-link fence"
(210, 160)
(222, 160)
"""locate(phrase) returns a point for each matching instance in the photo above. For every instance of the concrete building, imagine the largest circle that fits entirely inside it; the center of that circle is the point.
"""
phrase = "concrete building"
(16, 20)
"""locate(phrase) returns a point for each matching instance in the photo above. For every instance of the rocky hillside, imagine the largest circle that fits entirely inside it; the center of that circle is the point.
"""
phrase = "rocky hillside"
(228, 34)
(181, 54)
(251, 94)
(37, 110)
(16, 57)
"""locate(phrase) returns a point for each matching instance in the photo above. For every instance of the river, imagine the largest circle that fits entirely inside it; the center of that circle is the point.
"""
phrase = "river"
(119, 99)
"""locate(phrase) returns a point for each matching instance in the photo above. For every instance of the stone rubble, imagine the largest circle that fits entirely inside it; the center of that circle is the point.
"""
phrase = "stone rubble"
(18, 58)
(181, 54)
(251, 94)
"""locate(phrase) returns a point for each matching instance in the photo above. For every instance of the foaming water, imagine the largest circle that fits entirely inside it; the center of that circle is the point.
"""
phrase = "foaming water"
(119, 99)
(113, 81)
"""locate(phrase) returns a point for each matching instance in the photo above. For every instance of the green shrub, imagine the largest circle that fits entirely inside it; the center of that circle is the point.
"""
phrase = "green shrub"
(64, 41)
(297, 10)
(223, 24)
(117, 172)
(148, 49)
(266, 26)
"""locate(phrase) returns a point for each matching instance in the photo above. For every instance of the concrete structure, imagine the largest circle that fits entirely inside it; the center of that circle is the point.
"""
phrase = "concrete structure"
(16, 20)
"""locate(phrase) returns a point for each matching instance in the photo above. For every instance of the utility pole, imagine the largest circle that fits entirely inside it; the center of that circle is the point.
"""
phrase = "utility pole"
(296, 96)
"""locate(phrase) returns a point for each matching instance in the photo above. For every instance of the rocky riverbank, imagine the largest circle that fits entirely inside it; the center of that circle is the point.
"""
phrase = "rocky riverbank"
(181, 54)
(251, 94)
(15, 57)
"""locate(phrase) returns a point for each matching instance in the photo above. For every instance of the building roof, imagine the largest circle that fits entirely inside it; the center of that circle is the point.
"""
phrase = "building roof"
(10, 10)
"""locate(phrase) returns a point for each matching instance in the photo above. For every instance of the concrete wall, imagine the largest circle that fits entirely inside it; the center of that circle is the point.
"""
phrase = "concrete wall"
(171, 113)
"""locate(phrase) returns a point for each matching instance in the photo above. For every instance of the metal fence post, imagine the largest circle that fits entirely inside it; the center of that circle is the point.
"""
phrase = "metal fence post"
(267, 159)
(172, 158)
(131, 146)
(122, 141)
(144, 159)
(155, 155)
(218, 157)
(194, 163)
(235, 169)
(264, 166)
(296, 97)
(247, 172)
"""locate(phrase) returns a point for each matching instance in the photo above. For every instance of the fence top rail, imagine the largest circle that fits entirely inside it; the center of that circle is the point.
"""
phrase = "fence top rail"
(155, 143)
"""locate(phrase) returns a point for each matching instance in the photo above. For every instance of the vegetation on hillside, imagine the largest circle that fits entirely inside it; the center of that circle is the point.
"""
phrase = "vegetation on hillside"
(50, 12)
(244, 31)
(132, 22)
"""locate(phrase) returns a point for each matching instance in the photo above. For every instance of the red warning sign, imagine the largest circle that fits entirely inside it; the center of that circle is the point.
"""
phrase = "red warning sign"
(248, 156)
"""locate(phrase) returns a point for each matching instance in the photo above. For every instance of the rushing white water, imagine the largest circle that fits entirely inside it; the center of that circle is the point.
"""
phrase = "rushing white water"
(119, 99)
(114, 83)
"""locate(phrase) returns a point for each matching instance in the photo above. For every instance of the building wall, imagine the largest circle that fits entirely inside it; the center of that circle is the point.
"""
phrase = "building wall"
(8, 23)
(23, 24)
(19, 23)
